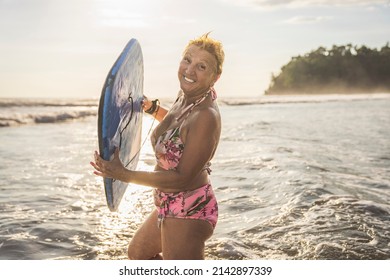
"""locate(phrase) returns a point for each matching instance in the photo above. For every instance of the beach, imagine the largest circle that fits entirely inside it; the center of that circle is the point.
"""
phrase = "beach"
(296, 179)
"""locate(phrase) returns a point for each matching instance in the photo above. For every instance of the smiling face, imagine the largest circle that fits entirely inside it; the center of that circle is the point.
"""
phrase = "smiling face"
(197, 71)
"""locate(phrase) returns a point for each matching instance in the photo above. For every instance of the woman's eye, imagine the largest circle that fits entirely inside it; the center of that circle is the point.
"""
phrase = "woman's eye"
(202, 67)
(186, 59)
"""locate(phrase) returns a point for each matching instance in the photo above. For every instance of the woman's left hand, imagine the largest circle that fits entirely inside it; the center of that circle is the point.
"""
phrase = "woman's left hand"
(109, 169)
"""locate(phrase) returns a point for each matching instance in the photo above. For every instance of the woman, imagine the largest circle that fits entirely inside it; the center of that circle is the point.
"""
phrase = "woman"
(184, 141)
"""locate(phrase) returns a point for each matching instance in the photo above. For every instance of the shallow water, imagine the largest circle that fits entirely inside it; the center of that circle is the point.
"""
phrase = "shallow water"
(293, 180)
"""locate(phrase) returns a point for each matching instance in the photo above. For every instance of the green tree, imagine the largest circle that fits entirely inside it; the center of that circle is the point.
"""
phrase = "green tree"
(340, 69)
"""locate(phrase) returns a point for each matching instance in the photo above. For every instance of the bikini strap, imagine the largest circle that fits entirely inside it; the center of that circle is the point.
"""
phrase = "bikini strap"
(187, 110)
(213, 93)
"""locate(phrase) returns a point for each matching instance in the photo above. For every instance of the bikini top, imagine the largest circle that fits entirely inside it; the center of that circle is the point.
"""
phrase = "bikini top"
(169, 146)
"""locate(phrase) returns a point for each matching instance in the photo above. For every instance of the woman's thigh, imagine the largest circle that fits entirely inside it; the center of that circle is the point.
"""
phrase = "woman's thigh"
(184, 239)
(146, 243)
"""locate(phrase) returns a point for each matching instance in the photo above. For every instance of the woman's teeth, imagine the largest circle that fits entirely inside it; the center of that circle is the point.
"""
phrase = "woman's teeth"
(188, 80)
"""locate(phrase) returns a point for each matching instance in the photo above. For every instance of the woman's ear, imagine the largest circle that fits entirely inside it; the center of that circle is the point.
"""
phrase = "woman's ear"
(216, 79)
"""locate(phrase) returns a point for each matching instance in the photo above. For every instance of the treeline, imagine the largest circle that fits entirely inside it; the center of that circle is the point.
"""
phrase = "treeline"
(341, 69)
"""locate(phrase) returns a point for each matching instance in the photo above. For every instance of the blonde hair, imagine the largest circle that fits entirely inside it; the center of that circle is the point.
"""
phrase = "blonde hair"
(211, 45)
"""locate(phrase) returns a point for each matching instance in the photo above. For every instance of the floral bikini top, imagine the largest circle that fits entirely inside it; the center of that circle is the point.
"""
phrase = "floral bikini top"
(169, 146)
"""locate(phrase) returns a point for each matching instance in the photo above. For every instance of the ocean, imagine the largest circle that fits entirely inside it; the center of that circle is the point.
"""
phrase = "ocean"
(297, 178)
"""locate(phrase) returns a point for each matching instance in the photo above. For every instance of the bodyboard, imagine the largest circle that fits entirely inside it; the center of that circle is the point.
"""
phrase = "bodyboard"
(120, 116)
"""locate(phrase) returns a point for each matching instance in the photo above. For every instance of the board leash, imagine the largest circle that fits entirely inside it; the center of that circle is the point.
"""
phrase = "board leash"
(146, 137)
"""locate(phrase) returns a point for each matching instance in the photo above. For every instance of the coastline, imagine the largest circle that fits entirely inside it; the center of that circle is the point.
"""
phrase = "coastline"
(229, 100)
(302, 98)
(22, 111)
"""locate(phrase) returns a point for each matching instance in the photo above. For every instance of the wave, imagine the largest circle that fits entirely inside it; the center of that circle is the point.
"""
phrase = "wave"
(47, 102)
(16, 119)
(22, 111)
(260, 99)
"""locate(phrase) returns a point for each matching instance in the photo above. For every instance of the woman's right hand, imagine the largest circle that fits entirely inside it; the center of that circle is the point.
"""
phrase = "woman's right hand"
(153, 108)
(146, 104)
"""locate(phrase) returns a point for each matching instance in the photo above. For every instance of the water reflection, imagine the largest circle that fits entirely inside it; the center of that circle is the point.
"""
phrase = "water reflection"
(115, 229)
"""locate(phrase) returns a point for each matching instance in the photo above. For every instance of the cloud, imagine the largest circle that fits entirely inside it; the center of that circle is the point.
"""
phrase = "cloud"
(307, 19)
(177, 20)
(127, 14)
(273, 4)
(122, 18)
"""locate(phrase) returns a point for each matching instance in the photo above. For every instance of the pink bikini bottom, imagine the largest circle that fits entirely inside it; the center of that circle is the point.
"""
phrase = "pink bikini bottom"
(199, 204)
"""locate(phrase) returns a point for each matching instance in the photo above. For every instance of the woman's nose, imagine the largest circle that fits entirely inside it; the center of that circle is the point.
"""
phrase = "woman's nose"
(190, 69)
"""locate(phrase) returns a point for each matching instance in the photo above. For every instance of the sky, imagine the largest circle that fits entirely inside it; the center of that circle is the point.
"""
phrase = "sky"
(64, 49)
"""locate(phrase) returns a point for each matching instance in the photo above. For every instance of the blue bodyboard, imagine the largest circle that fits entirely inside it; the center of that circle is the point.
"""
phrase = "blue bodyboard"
(120, 116)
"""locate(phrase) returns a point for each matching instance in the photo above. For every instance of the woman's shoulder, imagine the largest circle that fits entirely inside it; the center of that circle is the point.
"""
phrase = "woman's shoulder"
(205, 116)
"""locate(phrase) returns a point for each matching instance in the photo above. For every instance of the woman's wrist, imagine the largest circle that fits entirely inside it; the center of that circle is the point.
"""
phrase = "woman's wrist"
(125, 175)
(154, 107)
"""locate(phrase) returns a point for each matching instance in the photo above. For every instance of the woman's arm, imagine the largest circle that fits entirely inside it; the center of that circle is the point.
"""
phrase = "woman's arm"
(201, 141)
(154, 108)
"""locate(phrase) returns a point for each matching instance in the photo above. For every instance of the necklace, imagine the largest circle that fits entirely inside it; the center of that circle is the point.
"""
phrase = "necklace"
(187, 110)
